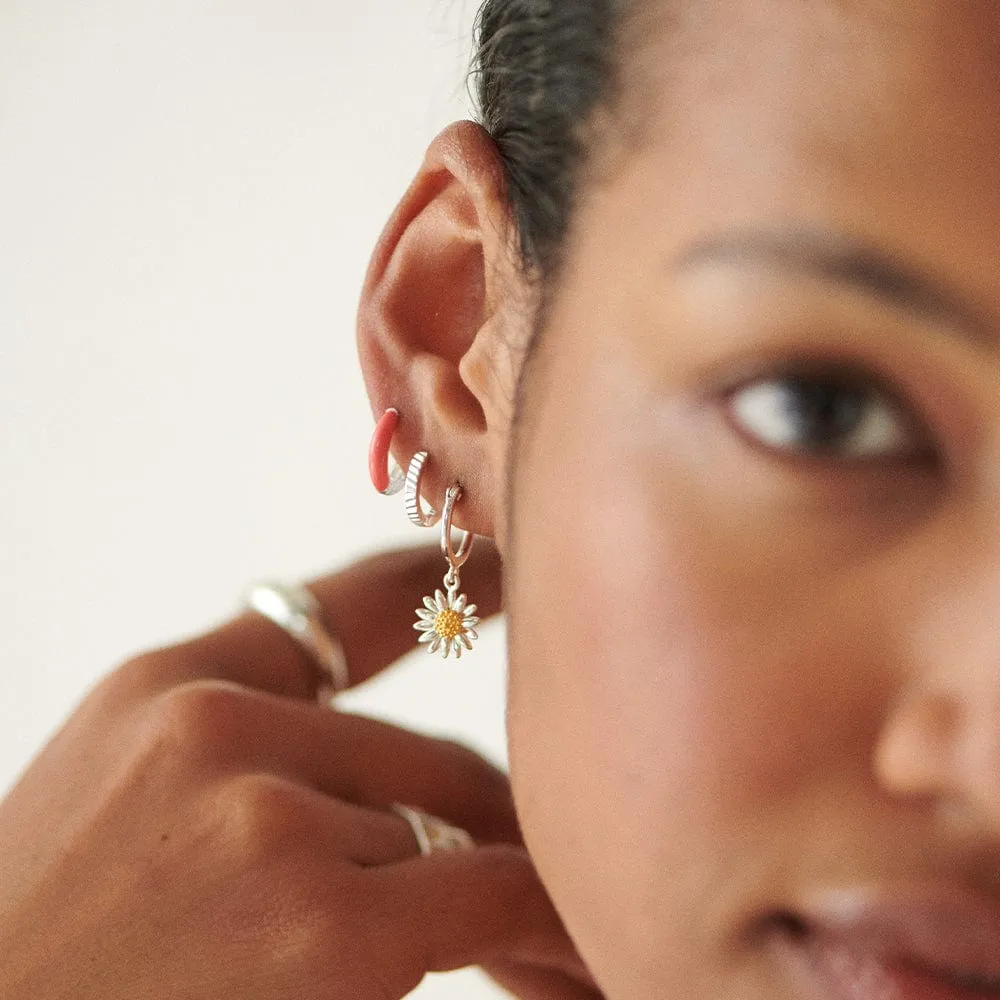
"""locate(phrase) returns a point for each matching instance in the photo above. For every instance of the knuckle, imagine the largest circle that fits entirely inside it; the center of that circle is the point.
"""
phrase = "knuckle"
(260, 815)
(196, 718)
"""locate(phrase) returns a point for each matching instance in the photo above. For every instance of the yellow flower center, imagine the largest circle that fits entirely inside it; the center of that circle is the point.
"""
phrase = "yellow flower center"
(449, 624)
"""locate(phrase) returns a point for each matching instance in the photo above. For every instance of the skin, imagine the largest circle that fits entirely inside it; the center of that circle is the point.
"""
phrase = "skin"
(203, 826)
(743, 675)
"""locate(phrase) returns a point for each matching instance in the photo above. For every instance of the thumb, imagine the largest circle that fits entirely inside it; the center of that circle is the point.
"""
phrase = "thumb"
(530, 983)
(455, 909)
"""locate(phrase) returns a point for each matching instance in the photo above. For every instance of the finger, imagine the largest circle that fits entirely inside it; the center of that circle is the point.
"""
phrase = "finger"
(458, 909)
(531, 983)
(369, 837)
(265, 809)
(229, 728)
(369, 606)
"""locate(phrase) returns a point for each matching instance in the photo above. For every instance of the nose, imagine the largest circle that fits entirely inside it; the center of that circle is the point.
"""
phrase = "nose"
(941, 739)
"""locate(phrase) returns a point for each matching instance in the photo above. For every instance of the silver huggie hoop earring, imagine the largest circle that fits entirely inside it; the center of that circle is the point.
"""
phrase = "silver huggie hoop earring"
(447, 622)
(456, 560)
(421, 513)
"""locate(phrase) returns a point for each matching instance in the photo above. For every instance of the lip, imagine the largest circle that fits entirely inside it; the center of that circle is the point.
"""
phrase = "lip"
(921, 942)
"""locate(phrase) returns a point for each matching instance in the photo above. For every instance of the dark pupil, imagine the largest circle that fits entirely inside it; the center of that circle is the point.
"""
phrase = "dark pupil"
(824, 412)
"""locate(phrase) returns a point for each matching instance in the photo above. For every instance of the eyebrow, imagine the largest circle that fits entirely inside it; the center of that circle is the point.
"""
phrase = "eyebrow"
(837, 259)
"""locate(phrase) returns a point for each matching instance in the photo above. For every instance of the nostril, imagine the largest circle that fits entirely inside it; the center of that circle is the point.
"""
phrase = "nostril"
(790, 924)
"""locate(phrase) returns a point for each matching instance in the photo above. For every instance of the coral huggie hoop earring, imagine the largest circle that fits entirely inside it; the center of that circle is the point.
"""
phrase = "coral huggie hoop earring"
(387, 476)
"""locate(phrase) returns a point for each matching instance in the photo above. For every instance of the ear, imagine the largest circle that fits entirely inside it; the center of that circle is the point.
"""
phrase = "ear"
(443, 319)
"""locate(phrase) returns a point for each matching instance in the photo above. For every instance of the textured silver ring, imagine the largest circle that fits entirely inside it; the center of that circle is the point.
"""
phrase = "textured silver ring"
(414, 503)
(295, 609)
(433, 834)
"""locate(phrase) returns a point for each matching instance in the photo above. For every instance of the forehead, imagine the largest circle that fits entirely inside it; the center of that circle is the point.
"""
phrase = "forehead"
(720, 43)
(880, 119)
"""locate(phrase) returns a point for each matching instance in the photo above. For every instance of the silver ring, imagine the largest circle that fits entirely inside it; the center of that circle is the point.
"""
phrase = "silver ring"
(455, 559)
(296, 610)
(433, 834)
(415, 506)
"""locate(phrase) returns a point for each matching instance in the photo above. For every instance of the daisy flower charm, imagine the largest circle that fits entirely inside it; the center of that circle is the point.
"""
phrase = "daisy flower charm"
(447, 623)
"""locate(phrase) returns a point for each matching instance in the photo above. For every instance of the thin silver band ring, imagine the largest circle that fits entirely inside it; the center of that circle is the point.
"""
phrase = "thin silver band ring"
(432, 834)
(295, 609)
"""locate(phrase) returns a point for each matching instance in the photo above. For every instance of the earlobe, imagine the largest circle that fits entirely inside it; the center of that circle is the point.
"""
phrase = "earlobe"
(433, 318)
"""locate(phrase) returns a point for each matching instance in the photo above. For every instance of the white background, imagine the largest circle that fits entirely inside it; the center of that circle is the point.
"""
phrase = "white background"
(189, 193)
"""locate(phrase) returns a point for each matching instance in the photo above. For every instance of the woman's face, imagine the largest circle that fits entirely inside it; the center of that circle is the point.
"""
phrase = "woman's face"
(754, 571)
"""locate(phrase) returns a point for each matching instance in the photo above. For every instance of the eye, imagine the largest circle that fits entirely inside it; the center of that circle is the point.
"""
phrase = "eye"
(826, 416)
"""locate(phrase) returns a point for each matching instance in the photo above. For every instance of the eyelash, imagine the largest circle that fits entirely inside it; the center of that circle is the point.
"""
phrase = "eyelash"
(876, 415)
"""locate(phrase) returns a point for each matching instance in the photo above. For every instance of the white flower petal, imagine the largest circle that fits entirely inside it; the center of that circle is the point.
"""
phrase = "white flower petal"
(470, 622)
(471, 609)
(440, 600)
(447, 648)
(424, 626)
(436, 644)
(427, 616)
(427, 636)
(458, 651)
(460, 604)
(472, 633)
(466, 641)
(430, 605)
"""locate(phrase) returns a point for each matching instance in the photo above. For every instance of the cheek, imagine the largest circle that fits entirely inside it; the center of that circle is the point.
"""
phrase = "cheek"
(666, 682)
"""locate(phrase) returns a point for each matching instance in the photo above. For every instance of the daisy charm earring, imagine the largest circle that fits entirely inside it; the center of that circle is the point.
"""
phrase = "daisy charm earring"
(447, 622)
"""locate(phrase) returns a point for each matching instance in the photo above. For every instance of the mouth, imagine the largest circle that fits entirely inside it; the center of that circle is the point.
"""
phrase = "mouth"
(919, 944)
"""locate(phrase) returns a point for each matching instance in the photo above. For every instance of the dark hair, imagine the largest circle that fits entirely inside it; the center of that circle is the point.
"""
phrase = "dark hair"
(540, 69)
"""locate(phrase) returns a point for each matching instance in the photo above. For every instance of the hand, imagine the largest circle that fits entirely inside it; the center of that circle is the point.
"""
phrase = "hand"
(201, 827)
